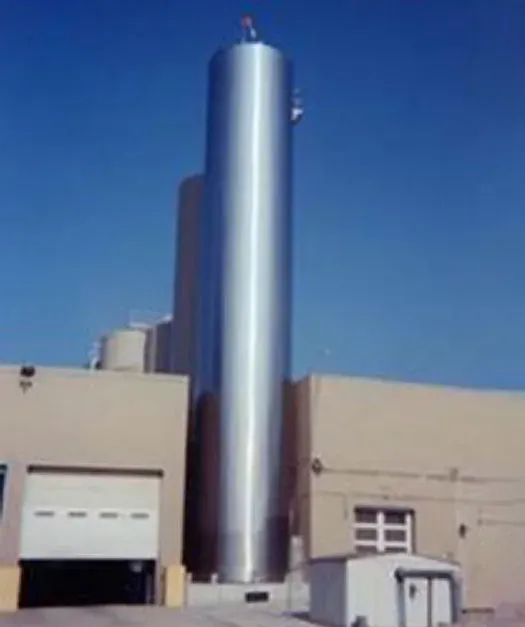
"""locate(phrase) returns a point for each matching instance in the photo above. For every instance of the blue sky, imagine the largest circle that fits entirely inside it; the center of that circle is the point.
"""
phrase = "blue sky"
(409, 176)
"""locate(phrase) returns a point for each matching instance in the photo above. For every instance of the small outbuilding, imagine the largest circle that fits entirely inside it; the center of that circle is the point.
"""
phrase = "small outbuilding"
(384, 590)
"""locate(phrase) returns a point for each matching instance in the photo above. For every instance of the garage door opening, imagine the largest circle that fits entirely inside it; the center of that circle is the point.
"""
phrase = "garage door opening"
(70, 583)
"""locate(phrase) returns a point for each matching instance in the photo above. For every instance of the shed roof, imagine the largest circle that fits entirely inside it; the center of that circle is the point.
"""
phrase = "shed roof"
(345, 557)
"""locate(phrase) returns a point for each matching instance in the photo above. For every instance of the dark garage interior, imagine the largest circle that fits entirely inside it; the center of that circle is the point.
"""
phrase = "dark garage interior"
(70, 583)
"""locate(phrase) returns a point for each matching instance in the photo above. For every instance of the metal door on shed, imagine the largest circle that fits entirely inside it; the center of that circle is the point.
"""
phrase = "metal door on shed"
(427, 602)
(84, 516)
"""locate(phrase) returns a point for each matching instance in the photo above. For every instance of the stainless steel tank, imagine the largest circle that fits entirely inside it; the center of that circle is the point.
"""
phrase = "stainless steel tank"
(158, 349)
(244, 325)
(189, 211)
(124, 350)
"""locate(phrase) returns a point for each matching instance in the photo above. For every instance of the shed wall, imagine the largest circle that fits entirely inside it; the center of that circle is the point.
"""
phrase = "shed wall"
(328, 595)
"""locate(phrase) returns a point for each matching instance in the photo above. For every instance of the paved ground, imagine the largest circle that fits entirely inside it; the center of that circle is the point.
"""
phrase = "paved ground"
(223, 616)
(230, 616)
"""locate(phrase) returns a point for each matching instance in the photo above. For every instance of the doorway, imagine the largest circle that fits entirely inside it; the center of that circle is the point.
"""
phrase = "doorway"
(70, 583)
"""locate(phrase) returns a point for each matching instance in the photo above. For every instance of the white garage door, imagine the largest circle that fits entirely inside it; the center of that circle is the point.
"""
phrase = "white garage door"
(90, 516)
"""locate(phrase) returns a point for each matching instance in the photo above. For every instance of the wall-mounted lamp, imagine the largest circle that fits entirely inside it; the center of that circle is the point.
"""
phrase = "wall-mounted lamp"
(317, 466)
(26, 376)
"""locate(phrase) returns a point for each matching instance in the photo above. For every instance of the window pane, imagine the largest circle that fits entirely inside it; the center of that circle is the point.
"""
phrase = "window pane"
(395, 535)
(395, 518)
(395, 549)
(365, 549)
(365, 515)
(366, 534)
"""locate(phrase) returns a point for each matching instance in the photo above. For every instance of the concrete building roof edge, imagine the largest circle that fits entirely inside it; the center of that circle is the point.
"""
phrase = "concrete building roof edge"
(418, 385)
(10, 369)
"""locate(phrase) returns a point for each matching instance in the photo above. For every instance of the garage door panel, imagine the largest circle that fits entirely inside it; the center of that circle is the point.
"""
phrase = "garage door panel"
(85, 517)
(83, 490)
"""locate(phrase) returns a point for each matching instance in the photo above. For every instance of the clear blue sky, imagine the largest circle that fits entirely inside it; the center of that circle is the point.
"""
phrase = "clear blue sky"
(409, 190)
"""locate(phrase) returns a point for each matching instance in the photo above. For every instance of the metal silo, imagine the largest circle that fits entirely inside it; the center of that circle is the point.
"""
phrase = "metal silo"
(244, 325)
(158, 349)
(189, 211)
(124, 350)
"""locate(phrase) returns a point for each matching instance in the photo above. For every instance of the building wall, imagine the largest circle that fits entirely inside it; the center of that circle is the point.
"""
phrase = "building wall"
(454, 457)
(94, 419)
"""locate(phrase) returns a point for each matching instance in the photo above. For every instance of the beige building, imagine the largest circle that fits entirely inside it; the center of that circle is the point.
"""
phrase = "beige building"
(92, 482)
(93, 464)
(400, 467)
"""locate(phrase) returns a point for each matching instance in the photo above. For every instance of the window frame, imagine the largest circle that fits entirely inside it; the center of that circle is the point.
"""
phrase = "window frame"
(381, 527)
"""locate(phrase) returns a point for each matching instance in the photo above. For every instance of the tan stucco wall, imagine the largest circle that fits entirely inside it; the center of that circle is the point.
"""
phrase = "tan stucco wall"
(94, 419)
(453, 456)
(174, 586)
(9, 585)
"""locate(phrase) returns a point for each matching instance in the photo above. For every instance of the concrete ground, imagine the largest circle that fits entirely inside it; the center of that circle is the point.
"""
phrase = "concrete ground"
(224, 616)
(220, 616)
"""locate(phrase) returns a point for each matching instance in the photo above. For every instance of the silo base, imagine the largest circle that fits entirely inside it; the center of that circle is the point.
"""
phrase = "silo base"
(292, 596)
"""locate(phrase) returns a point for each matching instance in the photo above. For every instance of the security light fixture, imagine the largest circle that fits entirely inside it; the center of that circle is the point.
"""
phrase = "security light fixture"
(26, 375)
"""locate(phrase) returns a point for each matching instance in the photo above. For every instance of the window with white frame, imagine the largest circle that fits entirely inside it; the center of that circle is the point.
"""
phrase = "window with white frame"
(383, 530)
